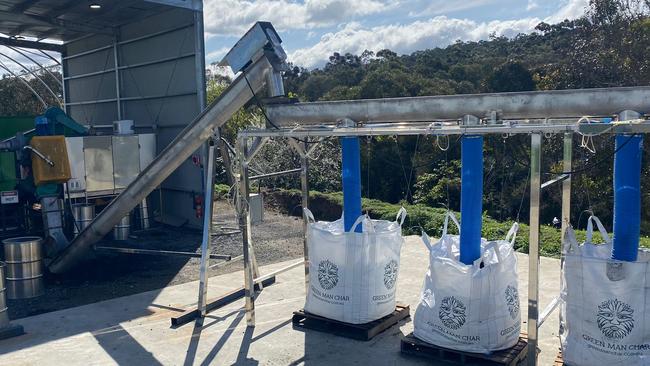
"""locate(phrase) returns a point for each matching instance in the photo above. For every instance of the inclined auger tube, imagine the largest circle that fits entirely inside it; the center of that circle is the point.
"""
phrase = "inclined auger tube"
(184, 145)
(627, 194)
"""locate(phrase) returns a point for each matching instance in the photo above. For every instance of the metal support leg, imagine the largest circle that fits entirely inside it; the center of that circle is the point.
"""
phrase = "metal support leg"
(244, 224)
(566, 184)
(304, 185)
(207, 230)
(533, 248)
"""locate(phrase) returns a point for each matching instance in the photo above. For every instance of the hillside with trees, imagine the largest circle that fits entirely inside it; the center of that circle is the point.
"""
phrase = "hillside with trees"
(608, 47)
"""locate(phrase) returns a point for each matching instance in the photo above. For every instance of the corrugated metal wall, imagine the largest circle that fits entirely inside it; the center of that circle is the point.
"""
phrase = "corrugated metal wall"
(155, 85)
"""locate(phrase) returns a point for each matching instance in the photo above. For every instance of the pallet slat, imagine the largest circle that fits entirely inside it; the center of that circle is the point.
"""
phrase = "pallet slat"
(362, 332)
(513, 356)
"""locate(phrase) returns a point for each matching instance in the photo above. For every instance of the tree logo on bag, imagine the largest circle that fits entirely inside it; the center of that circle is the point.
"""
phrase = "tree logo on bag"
(512, 300)
(328, 274)
(615, 319)
(390, 274)
(452, 312)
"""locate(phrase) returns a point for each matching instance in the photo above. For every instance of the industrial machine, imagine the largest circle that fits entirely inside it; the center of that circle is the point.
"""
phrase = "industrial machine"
(55, 176)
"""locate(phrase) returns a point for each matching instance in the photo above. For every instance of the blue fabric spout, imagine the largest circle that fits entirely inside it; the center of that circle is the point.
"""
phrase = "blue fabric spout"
(351, 174)
(627, 197)
(471, 198)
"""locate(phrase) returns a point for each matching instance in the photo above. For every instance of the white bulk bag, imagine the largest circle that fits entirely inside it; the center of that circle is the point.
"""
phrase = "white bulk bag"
(472, 308)
(353, 276)
(605, 312)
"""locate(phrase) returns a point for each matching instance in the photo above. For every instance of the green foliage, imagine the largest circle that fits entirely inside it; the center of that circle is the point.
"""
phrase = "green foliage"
(607, 47)
(328, 206)
(17, 100)
(510, 77)
(221, 191)
(247, 116)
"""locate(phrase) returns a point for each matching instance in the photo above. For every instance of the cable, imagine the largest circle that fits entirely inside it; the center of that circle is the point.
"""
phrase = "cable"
(523, 195)
(259, 105)
(583, 169)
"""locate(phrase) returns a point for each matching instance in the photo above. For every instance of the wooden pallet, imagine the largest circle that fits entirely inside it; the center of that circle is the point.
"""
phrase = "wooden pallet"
(362, 332)
(558, 360)
(508, 357)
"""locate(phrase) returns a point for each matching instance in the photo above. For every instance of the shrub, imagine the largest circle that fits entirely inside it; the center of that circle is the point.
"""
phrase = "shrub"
(328, 206)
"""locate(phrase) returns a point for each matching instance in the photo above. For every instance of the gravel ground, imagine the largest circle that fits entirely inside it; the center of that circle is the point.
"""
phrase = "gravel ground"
(107, 276)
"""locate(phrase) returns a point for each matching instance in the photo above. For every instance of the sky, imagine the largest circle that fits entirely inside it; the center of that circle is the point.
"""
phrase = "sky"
(311, 30)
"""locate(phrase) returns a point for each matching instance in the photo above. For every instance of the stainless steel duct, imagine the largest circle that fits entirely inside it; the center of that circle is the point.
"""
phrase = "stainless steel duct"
(521, 105)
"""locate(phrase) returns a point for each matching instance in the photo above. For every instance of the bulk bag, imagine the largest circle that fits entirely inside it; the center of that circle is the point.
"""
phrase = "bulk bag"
(471, 308)
(353, 276)
(605, 312)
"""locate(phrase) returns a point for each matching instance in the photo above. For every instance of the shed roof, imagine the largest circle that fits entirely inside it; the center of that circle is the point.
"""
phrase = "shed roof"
(66, 20)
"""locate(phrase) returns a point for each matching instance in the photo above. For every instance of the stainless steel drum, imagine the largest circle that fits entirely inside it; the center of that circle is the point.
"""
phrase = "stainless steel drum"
(122, 230)
(4, 314)
(145, 220)
(24, 259)
(84, 214)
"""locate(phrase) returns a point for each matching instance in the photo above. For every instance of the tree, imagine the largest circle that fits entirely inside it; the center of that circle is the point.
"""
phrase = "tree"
(510, 77)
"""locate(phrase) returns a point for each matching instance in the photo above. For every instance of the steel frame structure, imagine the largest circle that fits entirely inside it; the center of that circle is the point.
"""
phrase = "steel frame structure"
(305, 138)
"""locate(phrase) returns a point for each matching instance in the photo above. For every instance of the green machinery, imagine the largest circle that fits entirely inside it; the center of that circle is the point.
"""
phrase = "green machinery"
(18, 193)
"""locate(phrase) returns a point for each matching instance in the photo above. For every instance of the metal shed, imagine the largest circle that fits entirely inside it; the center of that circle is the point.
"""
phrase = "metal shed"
(141, 60)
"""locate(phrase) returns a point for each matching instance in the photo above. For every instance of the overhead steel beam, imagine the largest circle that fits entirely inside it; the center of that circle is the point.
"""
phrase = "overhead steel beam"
(38, 20)
(31, 44)
(539, 104)
(22, 6)
(196, 5)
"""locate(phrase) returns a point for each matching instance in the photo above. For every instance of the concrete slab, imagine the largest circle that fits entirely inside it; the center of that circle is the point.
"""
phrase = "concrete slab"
(135, 330)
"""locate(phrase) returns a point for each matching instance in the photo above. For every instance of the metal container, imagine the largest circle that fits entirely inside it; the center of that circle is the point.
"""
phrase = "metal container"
(98, 164)
(4, 313)
(123, 127)
(145, 219)
(24, 259)
(84, 213)
(52, 212)
(122, 230)
(126, 163)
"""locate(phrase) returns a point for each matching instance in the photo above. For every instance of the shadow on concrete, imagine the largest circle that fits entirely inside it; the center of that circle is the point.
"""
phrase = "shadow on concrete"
(242, 356)
(190, 354)
(222, 341)
(105, 278)
(123, 348)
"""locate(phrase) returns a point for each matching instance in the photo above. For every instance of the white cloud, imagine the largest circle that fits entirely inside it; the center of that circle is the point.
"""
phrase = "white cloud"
(532, 5)
(571, 9)
(216, 55)
(9, 59)
(422, 34)
(233, 17)
(440, 7)
(435, 32)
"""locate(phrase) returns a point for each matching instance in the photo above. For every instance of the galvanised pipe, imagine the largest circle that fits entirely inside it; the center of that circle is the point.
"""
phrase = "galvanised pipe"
(471, 198)
(351, 174)
(183, 146)
(627, 193)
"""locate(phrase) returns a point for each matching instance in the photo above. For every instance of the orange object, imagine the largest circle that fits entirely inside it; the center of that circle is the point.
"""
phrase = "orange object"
(54, 148)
